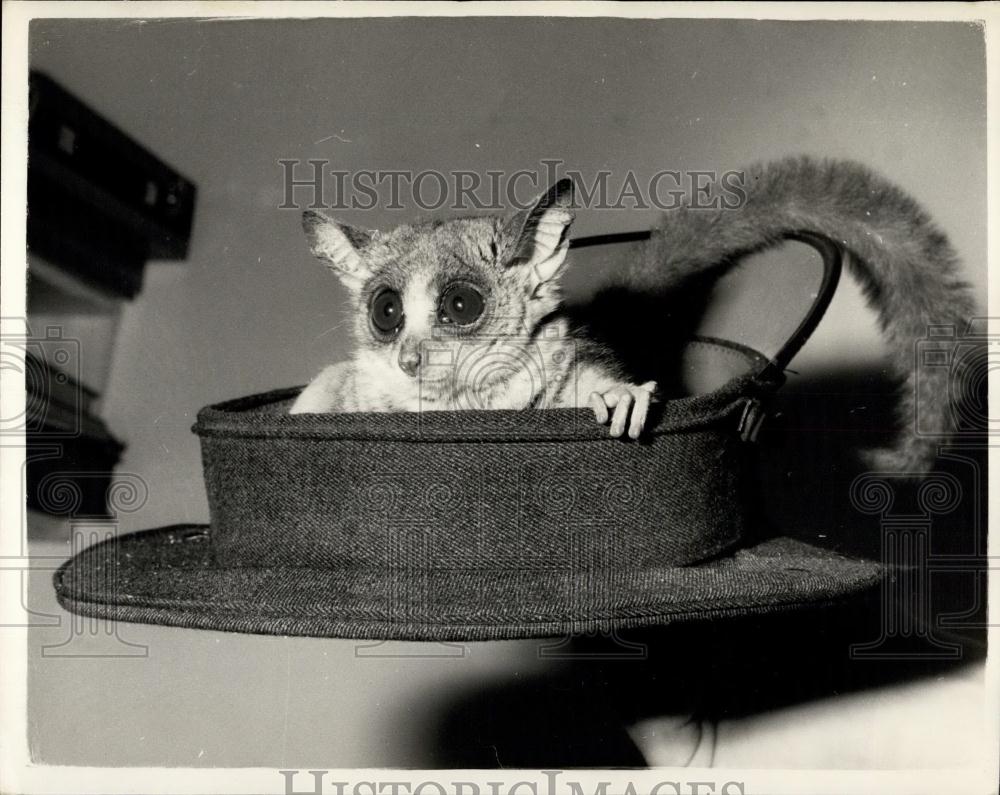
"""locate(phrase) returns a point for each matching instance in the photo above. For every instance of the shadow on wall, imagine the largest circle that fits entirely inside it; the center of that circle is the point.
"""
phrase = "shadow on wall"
(723, 670)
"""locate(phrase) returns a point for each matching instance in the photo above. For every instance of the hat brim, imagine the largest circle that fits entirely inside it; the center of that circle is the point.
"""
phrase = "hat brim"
(169, 576)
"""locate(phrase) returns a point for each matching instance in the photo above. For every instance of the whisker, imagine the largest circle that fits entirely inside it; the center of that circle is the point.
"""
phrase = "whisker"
(334, 327)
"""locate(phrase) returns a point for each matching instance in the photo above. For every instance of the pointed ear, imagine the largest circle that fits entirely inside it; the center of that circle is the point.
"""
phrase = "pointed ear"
(340, 246)
(543, 237)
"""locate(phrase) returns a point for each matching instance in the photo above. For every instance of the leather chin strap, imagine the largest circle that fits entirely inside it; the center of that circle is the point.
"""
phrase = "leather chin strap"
(773, 300)
(769, 302)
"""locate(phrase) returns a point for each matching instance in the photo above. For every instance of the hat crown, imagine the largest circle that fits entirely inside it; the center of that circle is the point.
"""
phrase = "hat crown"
(482, 490)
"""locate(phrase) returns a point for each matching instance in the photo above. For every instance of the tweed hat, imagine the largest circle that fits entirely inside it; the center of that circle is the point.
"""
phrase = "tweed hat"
(478, 525)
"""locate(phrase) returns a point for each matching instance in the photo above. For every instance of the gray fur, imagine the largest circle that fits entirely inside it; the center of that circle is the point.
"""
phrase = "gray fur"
(905, 264)
(520, 352)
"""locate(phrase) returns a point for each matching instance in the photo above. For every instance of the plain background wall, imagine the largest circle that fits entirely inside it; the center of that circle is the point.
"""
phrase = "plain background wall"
(223, 101)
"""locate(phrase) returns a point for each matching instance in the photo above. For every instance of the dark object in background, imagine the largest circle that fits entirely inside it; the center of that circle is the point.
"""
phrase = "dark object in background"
(71, 453)
(99, 207)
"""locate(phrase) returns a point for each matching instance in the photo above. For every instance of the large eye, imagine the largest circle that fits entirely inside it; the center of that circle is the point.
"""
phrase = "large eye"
(461, 304)
(387, 310)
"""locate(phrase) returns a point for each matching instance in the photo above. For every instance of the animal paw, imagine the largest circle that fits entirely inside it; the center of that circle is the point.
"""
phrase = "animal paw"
(624, 404)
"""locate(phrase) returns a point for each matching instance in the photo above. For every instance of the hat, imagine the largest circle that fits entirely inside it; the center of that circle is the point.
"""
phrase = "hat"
(479, 525)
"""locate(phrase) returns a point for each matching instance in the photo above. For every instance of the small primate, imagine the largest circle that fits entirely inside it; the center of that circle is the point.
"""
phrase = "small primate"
(467, 313)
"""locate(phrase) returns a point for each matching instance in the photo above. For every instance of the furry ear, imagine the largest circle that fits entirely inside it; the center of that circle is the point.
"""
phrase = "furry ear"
(542, 235)
(338, 245)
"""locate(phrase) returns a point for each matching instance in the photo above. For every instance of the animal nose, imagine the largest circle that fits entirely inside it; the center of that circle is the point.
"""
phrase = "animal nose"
(409, 361)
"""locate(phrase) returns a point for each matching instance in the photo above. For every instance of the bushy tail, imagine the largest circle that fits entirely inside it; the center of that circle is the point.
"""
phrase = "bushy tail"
(905, 264)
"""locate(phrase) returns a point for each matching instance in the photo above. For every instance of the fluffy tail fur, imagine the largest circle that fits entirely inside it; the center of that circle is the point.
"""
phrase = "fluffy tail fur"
(905, 264)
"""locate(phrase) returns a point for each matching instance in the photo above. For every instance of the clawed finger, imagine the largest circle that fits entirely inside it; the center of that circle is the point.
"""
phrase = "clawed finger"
(600, 407)
(621, 414)
(639, 412)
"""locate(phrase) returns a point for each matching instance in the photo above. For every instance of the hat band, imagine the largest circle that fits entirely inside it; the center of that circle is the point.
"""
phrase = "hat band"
(562, 497)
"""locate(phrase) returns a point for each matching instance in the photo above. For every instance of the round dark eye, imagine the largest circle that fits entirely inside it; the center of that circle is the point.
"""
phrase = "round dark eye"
(387, 311)
(461, 304)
